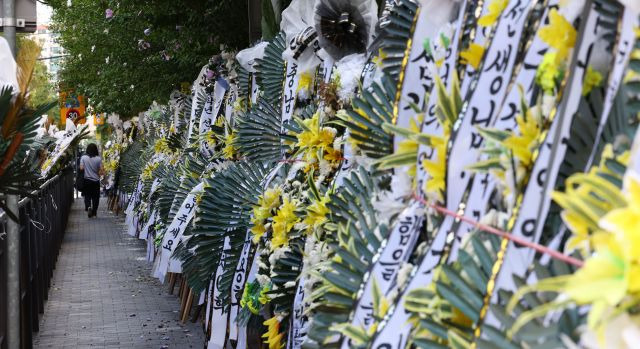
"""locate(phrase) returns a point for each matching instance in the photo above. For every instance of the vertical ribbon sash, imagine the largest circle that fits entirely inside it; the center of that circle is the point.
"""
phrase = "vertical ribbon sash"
(395, 251)
(484, 183)
(479, 39)
(242, 332)
(174, 232)
(536, 200)
(483, 107)
(416, 77)
(132, 218)
(219, 317)
(394, 333)
(290, 89)
(255, 90)
(430, 123)
(622, 53)
(237, 286)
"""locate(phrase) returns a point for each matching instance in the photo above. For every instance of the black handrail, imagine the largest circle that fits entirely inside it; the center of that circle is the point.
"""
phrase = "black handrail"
(43, 220)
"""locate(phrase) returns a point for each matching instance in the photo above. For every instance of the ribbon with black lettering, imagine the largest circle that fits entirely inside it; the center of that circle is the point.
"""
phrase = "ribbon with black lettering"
(173, 233)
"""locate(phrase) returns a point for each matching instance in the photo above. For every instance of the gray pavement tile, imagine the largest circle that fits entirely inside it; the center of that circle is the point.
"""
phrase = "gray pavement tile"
(100, 280)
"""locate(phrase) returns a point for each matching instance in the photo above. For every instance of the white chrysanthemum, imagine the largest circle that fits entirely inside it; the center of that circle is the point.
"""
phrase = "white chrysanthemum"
(386, 206)
(263, 279)
(348, 69)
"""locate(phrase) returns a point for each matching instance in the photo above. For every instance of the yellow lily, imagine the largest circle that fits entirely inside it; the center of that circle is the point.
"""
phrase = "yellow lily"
(494, 11)
(273, 337)
(559, 34)
(472, 55)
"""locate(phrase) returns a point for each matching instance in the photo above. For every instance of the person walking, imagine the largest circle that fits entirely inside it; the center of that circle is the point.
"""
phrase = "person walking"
(91, 164)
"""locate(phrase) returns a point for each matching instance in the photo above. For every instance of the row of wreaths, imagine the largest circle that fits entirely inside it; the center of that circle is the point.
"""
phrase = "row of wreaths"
(433, 174)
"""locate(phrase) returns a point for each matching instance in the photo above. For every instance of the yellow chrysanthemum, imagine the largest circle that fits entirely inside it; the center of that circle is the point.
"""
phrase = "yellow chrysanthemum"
(588, 198)
(161, 146)
(305, 83)
(559, 34)
(523, 145)
(258, 229)
(435, 184)
(261, 212)
(624, 221)
(271, 198)
(472, 55)
(592, 79)
(283, 222)
(317, 213)
(494, 11)
(548, 72)
(229, 149)
(379, 59)
(333, 155)
(410, 145)
(211, 138)
(147, 171)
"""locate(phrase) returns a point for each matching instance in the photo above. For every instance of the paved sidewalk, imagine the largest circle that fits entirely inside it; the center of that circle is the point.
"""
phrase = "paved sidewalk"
(102, 294)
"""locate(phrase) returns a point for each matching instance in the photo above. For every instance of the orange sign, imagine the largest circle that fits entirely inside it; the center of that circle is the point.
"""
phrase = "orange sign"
(72, 107)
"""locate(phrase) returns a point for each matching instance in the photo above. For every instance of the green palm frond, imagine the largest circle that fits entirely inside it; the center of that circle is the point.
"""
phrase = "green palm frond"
(224, 210)
(243, 81)
(285, 272)
(132, 162)
(294, 126)
(453, 305)
(447, 314)
(370, 112)
(200, 99)
(608, 17)
(394, 36)
(271, 70)
(356, 238)
(259, 133)
(537, 333)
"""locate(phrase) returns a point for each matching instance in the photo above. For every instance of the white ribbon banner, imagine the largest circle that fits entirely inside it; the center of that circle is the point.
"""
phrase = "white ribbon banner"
(536, 201)
(255, 90)
(418, 79)
(290, 89)
(484, 183)
(430, 124)
(219, 318)
(132, 217)
(483, 107)
(209, 114)
(395, 332)
(395, 251)
(622, 53)
(174, 232)
(242, 331)
(237, 287)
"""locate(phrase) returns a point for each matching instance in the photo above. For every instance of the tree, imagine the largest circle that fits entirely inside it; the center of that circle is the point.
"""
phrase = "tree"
(41, 89)
(124, 55)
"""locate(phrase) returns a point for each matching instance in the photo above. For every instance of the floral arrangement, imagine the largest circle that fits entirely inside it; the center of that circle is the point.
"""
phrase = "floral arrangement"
(401, 185)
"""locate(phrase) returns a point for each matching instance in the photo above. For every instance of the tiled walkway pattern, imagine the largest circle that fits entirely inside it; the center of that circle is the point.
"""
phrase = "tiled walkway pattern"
(102, 294)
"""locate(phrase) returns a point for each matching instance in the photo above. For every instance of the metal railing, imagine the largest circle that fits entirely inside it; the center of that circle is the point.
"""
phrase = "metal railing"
(43, 220)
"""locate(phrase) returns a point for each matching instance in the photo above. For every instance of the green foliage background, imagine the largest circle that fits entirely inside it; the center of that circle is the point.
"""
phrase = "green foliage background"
(41, 89)
(187, 31)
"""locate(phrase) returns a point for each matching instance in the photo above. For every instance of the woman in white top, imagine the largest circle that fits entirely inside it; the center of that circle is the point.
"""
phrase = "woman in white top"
(91, 164)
